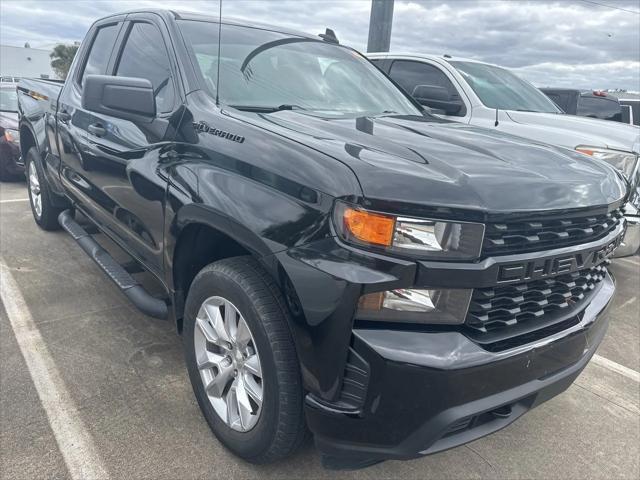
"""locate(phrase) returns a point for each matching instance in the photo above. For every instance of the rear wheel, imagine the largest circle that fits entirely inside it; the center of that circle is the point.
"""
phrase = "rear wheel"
(45, 213)
(242, 361)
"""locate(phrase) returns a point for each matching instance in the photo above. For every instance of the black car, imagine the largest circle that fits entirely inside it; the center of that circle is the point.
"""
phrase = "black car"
(11, 166)
(335, 257)
(594, 104)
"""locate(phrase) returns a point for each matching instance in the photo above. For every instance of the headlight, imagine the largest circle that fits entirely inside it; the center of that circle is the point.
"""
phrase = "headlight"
(416, 237)
(441, 306)
(623, 161)
(12, 136)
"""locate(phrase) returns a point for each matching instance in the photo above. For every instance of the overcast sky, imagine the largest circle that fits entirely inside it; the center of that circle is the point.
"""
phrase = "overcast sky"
(571, 43)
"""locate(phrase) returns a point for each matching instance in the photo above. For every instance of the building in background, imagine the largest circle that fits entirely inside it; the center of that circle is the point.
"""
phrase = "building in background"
(25, 62)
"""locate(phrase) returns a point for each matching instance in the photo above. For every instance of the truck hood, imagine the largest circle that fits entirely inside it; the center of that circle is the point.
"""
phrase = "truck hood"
(432, 162)
(576, 130)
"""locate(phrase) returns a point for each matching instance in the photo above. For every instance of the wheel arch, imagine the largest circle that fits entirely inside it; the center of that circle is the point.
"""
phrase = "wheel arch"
(27, 138)
(200, 236)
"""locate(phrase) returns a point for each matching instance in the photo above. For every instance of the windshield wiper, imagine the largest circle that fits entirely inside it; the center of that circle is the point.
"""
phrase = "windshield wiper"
(261, 109)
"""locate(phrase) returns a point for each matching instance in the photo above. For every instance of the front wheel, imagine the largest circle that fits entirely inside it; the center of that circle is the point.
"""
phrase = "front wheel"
(45, 213)
(242, 361)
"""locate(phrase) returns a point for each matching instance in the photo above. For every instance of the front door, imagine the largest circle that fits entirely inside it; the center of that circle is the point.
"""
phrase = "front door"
(125, 160)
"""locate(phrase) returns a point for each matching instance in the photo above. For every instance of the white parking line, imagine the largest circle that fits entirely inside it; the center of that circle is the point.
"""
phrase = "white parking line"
(74, 442)
(15, 200)
(616, 367)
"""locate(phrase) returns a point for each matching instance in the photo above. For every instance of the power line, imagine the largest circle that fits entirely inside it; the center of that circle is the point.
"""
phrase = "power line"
(611, 6)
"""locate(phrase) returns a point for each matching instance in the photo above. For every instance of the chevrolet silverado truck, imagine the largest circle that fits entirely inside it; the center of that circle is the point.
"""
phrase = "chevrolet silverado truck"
(490, 96)
(336, 258)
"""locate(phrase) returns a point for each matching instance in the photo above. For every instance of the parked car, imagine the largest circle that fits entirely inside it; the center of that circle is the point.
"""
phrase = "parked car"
(489, 96)
(10, 164)
(631, 110)
(593, 104)
(335, 257)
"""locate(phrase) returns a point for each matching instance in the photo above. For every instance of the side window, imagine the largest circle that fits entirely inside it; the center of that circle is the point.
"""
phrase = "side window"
(378, 62)
(411, 74)
(564, 101)
(555, 97)
(98, 58)
(598, 107)
(145, 56)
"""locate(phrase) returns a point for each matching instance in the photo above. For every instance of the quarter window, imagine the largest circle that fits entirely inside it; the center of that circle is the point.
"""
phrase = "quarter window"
(145, 56)
(100, 52)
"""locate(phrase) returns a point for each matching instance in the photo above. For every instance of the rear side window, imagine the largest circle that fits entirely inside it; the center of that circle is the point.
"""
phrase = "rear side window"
(600, 107)
(100, 52)
(145, 56)
(559, 99)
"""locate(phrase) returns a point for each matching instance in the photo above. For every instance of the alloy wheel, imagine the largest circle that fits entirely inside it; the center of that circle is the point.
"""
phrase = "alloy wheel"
(229, 363)
(34, 189)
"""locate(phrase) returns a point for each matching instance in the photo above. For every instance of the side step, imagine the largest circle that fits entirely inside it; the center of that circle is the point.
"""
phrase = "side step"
(146, 303)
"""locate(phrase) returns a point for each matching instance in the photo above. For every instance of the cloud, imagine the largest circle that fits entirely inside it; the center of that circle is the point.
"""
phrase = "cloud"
(551, 42)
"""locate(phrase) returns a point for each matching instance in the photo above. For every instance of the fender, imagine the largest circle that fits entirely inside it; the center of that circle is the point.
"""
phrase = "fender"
(50, 162)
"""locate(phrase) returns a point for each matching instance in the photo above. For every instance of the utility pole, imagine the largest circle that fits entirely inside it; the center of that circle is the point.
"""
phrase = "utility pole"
(380, 25)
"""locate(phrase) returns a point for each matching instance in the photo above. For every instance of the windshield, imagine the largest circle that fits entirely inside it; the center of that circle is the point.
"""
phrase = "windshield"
(263, 69)
(499, 88)
(8, 99)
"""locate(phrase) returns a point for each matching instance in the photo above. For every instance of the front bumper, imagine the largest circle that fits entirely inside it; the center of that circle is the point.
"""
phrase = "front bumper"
(430, 391)
(427, 388)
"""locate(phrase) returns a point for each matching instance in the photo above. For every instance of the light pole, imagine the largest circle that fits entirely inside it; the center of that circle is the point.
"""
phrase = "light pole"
(380, 25)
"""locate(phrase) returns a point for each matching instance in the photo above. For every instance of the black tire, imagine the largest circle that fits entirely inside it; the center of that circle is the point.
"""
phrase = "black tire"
(48, 218)
(280, 428)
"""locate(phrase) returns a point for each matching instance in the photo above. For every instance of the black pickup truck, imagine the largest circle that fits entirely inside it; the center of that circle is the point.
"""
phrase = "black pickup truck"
(593, 104)
(335, 258)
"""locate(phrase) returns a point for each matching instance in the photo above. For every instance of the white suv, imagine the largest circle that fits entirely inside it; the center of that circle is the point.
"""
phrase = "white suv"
(490, 96)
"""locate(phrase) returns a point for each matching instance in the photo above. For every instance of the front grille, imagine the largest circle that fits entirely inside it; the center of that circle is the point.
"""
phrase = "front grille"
(545, 234)
(532, 304)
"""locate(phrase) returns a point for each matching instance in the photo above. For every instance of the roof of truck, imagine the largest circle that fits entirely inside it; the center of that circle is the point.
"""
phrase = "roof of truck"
(176, 15)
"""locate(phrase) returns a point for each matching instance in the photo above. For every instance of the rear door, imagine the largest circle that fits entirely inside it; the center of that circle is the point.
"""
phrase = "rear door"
(125, 160)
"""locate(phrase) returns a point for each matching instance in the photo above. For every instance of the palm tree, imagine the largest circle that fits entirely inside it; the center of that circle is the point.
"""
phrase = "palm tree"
(62, 56)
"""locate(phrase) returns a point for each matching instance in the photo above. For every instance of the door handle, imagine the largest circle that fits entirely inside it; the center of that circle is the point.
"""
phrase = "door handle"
(97, 129)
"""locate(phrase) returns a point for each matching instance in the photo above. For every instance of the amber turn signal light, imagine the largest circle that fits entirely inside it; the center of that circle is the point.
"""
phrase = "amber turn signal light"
(369, 227)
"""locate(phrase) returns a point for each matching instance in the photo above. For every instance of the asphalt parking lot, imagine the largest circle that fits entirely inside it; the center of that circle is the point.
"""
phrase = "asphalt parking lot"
(120, 385)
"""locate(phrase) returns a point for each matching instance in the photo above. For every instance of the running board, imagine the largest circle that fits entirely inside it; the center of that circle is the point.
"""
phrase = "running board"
(145, 302)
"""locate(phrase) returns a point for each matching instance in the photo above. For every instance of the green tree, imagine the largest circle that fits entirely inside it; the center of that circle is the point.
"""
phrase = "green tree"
(62, 56)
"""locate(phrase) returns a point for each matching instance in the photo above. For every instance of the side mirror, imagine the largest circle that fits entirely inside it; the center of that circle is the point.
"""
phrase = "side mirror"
(128, 98)
(438, 98)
